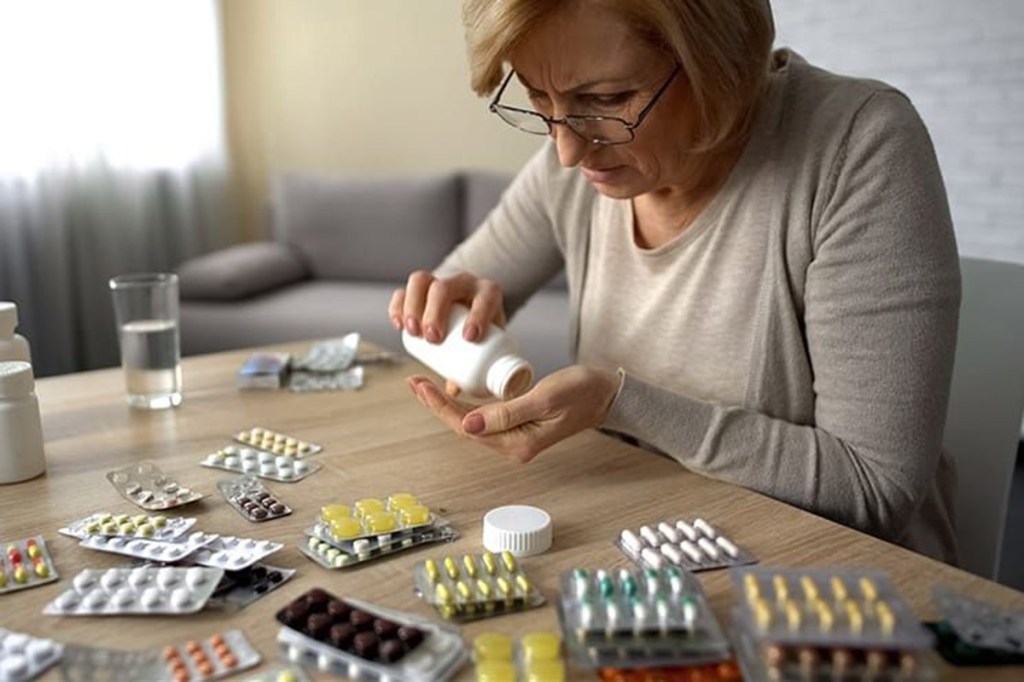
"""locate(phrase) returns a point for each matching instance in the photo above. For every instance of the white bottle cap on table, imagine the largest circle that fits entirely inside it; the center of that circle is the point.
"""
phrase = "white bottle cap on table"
(519, 529)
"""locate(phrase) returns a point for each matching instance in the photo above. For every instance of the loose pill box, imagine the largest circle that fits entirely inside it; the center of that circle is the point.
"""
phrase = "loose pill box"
(264, 370)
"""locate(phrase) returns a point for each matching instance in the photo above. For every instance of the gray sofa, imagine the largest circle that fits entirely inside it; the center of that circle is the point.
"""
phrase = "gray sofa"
(338, 248)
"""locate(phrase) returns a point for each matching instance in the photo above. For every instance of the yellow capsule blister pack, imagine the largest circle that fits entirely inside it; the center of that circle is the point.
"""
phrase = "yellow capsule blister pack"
(536, 657)
(844, 624)
(474, 586)
(371, 517)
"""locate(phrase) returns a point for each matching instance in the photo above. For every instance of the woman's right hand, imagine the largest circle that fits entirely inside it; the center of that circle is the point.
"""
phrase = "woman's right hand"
(423, 306)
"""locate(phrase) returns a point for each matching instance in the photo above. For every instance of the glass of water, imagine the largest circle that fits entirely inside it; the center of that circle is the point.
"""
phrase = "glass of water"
(146, 310)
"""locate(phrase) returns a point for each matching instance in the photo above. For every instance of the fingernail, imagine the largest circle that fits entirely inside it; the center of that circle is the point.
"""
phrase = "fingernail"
(471, 332)
(397, 323)
(473, 423)
(432, 334)
(412, 325)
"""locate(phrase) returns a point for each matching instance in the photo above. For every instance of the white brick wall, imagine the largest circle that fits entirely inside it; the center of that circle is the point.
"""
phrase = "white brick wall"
(961, 62)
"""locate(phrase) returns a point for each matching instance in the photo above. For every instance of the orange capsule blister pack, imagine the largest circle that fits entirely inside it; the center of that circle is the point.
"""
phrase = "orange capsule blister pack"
(211, 658)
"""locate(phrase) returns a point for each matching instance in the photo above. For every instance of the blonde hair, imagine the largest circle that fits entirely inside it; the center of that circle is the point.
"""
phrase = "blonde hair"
(724, 47)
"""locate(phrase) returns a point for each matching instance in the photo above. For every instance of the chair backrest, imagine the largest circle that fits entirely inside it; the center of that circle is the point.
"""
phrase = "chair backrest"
(983, 422)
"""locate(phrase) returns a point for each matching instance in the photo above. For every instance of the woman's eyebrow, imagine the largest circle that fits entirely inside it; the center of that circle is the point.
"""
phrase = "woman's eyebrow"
(574, 89)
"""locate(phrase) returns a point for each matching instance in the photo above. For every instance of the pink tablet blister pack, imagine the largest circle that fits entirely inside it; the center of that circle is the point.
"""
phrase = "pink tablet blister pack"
(146, 485)
(147, 590)
(23, 657)
(25, 563)
(695, 546)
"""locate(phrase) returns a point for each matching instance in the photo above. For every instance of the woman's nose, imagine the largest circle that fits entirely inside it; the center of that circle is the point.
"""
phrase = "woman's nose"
(571, 147)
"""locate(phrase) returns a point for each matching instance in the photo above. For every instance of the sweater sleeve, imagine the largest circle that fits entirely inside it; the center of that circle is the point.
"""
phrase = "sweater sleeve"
(517, 245)
(880, 318)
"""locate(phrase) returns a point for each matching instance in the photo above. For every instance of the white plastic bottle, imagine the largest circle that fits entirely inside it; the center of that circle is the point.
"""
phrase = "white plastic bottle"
(21, 431)
(491, 365)
(13, 346)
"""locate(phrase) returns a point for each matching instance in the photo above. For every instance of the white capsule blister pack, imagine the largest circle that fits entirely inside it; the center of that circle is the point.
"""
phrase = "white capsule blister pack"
(695, 546)
(150, 550)
(23, 657)
(146, 485)
(233, 553)
(159, 527)
(147, 590)
(281, 468)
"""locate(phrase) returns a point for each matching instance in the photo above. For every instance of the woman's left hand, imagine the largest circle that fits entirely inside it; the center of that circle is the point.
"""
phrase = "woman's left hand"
(562, 404)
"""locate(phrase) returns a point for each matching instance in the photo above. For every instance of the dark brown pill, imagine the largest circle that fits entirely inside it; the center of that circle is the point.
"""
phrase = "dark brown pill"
(318, 625)
(342, 635)
(339, 611)
(317, 600)
(267, 501)
(275, 577)
(295, 615)
(262, 495)
(258, 572)
(362, 620)
(277, 508)
(385, 629)
(411, 636)
(243, 500)
(391, 651)
(258, 513)
(365, 645)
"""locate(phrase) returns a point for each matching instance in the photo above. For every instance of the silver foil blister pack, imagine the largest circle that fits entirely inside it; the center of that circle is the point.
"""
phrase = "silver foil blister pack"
(147, 486)
(168, 590)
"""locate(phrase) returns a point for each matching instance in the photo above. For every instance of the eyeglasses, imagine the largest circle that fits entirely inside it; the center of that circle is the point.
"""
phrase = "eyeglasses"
(606, 130)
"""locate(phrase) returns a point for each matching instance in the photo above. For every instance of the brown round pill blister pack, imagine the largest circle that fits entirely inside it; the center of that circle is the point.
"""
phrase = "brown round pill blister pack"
(251, 499)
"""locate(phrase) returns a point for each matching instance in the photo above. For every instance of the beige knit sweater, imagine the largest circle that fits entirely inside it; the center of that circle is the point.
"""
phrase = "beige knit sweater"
(798, 337)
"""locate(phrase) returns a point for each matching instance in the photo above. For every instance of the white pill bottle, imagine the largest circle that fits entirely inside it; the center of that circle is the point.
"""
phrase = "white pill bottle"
(21, 431)
(13, 346)
(490, 366)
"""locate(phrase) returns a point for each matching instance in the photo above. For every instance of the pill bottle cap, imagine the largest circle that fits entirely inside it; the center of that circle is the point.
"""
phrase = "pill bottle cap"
(519, 529)
(15, 379)
(509, 376)
(8, 318)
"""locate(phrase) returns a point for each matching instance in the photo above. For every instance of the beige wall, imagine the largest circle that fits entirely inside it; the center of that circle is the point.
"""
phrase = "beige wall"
(352, 86)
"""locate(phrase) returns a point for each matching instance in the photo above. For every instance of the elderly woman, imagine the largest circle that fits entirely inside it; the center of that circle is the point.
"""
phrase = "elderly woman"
(762, 270)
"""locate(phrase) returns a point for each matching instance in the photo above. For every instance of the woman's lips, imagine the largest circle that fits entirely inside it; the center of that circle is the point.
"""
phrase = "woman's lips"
(603, 176)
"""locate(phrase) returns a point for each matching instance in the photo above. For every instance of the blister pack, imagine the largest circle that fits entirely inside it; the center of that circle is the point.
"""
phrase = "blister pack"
(372, 517)
(147, 486)
(212, 658)
(250, 498)
(23, 657)
(981, 624)
(168, 590)
(158, 527)
(351, 379)
(363, 641)
(26, 563)
(695, 546)
(536, 657)
(260, 463)
(843, 623)
(277, 443)
(238, 589)
(475, 585)
(94, 664)
(332, 355)
(234, 553)
(331, 556)
(281, 673)
(639, 618)
(150, 550)
(726, 671)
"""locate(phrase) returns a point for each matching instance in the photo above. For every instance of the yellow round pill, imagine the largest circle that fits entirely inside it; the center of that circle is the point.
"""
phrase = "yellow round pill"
(333, 512)
(545, 671)
(415, 515)
(287, 676)
(402, 501)
(140, 519)
(33, 551)
(540, 646)
(346, 528)
(495, 671)
(146, 530)
(109, 528)
(20, 574)
(370, 504)
(120, 519)
(380, 522)
(492, 646)
(159, 521)
(42, 570)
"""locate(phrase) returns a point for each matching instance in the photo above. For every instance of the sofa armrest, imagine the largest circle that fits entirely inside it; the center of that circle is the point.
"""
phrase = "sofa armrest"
(240, 271)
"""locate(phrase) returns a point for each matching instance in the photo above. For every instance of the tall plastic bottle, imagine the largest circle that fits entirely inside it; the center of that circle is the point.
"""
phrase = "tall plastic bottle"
(490, 366)
(13, 346)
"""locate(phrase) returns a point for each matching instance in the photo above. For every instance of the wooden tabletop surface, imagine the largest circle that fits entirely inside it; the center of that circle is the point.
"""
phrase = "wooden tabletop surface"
(380, 440)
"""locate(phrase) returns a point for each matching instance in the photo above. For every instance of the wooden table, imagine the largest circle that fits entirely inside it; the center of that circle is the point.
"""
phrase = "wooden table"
(380, 440)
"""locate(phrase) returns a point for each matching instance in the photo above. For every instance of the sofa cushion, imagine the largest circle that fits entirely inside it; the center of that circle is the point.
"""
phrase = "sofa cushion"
(240, 271)
(481, 192)
(367, 229)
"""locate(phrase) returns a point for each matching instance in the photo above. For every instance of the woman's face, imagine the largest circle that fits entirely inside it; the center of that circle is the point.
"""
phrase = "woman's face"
(586, 60)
